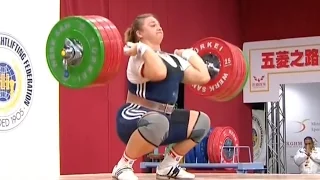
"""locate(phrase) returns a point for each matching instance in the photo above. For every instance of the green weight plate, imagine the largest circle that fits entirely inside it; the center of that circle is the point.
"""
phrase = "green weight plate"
(246, 73)
(85, 73)
(247, 70)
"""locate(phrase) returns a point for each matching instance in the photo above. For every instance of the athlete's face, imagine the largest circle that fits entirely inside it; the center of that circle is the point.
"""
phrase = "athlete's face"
(151, 31)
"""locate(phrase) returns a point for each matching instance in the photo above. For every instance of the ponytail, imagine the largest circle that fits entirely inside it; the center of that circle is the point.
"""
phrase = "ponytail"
(130, 36)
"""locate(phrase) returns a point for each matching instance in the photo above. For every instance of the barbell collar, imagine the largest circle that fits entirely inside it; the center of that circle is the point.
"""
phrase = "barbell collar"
(72, 54)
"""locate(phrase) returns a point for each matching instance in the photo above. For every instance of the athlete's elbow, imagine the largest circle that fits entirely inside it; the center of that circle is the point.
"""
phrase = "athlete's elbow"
(204, 79)
(160, 74)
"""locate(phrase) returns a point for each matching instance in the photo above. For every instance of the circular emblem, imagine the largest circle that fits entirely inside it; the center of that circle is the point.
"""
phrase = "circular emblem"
(258, 138)
(218, 55)
(16, 82)
(229, 138)
(228, 152)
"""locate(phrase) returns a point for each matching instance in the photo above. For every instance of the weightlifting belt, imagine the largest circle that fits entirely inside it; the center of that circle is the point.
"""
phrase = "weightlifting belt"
(155, 106)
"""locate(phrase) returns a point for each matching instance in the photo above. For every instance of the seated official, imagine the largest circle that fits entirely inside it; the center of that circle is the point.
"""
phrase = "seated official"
(308, 158)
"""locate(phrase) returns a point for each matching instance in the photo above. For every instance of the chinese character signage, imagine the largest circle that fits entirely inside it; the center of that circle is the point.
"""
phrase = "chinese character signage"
(278, 62)
(283, 59)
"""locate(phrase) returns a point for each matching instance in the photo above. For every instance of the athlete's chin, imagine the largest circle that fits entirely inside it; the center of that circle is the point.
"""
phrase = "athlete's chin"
(159, 40)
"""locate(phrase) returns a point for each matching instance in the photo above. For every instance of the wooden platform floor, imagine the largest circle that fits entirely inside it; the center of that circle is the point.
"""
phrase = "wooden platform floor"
(201, 176)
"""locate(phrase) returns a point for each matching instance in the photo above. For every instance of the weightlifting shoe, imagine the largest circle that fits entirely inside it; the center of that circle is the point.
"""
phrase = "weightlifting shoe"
(123, 173)
(173, 172)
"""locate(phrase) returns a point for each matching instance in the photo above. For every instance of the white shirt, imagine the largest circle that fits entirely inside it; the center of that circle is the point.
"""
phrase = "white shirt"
(136, 62)
(308, 165)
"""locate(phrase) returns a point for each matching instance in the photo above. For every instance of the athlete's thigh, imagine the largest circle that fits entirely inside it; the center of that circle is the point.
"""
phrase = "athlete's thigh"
(178, 130)
(127, 120)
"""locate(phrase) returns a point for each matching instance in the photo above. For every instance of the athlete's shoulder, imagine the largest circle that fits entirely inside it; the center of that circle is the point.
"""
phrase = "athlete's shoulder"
(134, 61)
(134, 69)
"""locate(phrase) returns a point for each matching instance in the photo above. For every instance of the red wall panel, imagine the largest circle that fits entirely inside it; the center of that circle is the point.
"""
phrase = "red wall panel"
(273, 19)
(89, 143)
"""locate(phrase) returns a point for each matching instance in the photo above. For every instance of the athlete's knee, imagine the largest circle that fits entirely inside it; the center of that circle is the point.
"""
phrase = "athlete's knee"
(154, 128)
(201, 127)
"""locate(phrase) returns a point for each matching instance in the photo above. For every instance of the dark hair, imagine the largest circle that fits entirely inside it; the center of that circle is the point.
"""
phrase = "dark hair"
(308, 138)
(130, 34)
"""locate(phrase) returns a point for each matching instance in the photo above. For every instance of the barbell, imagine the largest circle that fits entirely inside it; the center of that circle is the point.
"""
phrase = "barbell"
(86, 51)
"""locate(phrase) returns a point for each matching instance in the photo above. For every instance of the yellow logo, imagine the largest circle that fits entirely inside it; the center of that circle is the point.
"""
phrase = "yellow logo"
(16, 82)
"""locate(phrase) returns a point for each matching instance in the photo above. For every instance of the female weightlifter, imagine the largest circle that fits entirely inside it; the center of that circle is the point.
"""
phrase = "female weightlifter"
(149, 119)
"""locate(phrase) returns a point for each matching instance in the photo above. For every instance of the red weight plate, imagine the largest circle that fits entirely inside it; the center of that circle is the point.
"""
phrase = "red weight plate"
(108, 33)
(237, 80)
(104, 76)
(243, 77)
(120, 45)
(227, 137)
(116, 49)
(210, 143)
(209, 146)
(108, 46)
(116, 38)
(216, 43)
(239, 71)
(245, 71)
(225, 77)
(117, 45)
(231, 86)
(116, 41)
(215, 151)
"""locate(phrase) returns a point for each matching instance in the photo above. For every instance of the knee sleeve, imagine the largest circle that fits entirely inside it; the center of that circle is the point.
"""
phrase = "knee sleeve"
(201, 127)
(154, 128)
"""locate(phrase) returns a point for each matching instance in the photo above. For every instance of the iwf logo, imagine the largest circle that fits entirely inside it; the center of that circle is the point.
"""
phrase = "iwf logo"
(16, 82)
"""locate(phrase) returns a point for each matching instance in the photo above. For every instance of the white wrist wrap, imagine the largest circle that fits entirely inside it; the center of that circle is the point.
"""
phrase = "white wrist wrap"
(186, 54)
(141, 48)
